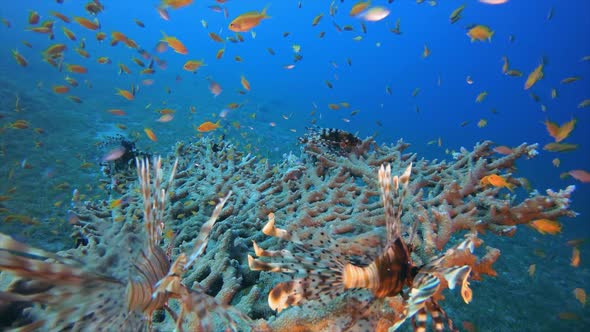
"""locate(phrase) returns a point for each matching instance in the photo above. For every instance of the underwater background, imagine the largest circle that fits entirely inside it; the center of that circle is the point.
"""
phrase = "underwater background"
(419, 83)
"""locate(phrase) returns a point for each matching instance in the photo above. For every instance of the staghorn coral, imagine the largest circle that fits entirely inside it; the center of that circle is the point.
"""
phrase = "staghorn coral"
(322, 192)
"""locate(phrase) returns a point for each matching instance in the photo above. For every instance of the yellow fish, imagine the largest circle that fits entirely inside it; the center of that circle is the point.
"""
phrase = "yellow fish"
(559, 133)
(208, 126)
(560, 147)
(580, 295)
(496, 181)
(247, 21)
(480, 32)
(456, 14)
(481, 97)
(359, 7)
(534, 76)
(532, 270)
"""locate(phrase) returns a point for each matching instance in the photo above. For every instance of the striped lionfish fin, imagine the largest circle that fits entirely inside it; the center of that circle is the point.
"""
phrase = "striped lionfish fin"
(15, 257)
(171, 282)
(154, 205)
(195, 300)
(393, 214)
(419, 320)
(454, 275)
(439, 317)
(322, 269)
(424, 287)
(74, 299)
(203, 237)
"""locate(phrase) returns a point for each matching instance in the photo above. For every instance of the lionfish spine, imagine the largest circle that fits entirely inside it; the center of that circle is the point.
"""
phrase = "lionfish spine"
(154, 205)
(393, 215)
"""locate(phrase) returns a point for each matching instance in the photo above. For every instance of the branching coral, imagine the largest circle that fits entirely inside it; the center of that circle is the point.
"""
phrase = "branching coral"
(328, 199)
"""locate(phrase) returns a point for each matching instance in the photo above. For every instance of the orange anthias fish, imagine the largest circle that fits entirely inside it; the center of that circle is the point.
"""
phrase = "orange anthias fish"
(33, 17)
(496, 181)
(175, 44)
(359, 7)
(69, 34)
(60, 16)
(77, 69)
(19, 58)
(502, 149)
(580, 295)
(60, 89)
(534, 76)
(215, 88)
(480, 32)
(208, 126)
(546, 226)
(560, 147)
(193, 65)
(247, 21)
(245, 83)
(215, 37)
(150, 134)
(559, 133)
(125, 94)
(176, 3)
(580, 175)
(575, 257)
(88, 24)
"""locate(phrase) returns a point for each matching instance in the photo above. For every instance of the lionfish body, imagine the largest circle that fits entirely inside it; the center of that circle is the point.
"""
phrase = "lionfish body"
(392, 274)
(335, 140)
(80, 299)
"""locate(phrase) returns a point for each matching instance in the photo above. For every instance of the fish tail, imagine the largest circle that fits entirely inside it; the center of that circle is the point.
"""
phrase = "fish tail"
(510, 187)
(263, 12)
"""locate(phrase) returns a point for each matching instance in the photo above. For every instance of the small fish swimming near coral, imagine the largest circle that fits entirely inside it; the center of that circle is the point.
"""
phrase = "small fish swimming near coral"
(390, 277)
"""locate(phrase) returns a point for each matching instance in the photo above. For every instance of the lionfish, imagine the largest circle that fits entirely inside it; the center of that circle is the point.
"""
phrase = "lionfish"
(335, 140)
(79, 299)
(392, 274)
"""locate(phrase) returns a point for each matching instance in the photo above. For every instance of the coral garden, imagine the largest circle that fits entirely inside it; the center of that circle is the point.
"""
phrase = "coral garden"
(327, 198)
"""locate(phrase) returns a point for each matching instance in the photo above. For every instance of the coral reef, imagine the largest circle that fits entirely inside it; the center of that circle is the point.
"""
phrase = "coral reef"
(328, 198)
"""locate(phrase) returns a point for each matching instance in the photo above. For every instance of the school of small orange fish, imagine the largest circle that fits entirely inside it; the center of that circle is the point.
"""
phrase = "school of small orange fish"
(68, 35)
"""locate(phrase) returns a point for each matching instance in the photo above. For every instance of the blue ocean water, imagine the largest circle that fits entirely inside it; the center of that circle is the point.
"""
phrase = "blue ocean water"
(283, 102)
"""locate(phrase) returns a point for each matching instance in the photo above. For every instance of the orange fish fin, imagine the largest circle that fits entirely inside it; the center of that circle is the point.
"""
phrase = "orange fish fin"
(552, 128)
